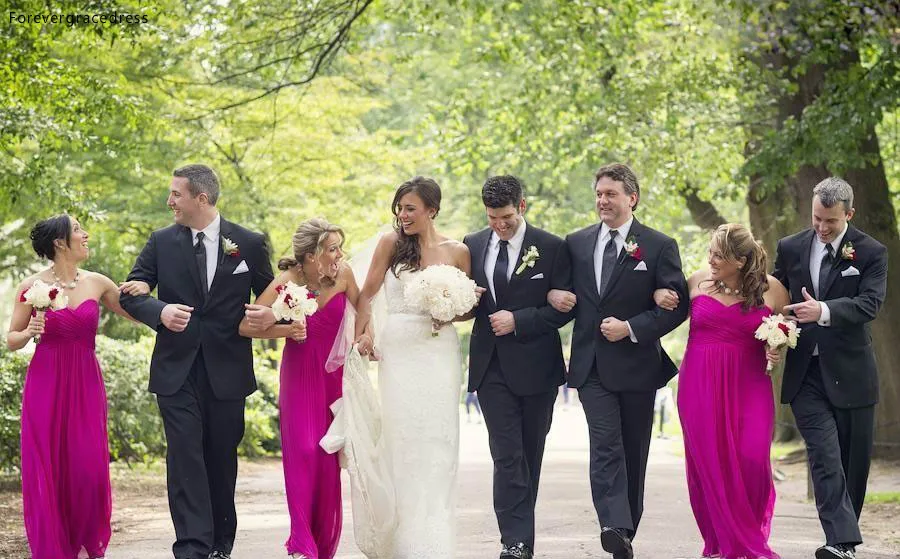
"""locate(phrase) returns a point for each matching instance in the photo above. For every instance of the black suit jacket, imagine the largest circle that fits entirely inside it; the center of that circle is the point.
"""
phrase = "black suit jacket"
(531, 357)
(846, 357)
(625, 366)
(168, 262)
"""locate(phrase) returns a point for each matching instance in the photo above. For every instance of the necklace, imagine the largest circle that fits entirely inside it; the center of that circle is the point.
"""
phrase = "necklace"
(727, 290)
(63, 284)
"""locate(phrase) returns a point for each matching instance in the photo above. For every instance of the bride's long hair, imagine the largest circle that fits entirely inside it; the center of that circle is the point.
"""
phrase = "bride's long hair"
(408, 254)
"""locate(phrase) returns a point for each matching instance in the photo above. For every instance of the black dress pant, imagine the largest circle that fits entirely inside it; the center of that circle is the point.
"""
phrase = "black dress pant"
(202, 434)
(839, 448)
(619, 426)
(517, 429)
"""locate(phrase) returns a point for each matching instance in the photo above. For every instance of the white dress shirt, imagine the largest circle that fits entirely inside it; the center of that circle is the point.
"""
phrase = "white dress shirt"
(512, 251)
(621, 237)
(211, 243)
(816, 252)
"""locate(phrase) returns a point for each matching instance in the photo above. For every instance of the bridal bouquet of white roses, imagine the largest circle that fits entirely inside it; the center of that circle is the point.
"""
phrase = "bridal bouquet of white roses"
(44, 297)
(294, 302)
(777, 332)
(442, 291)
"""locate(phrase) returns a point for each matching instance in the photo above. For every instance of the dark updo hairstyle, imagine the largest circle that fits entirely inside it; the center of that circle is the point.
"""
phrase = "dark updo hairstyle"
(45, 232)
(407, 254)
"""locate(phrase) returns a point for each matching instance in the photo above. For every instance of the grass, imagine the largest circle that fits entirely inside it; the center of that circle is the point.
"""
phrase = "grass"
(883, 498)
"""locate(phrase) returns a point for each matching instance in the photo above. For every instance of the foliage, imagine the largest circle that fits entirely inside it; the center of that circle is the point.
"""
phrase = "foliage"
(12, 379)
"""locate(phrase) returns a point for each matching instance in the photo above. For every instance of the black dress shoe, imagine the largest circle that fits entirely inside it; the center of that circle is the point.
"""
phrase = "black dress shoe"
(219, 555)
(516, 551)
(615, 541)
(839, 551)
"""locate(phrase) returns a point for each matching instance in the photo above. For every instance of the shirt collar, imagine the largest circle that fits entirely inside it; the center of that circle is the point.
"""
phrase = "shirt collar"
(622, 231)
(211, 231)
(515, 242)
(836, 243)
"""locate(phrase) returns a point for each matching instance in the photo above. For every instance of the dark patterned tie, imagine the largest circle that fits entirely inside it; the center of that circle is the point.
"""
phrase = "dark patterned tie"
(200, 255)
(610, 254)
(501, 271)
(824, 270)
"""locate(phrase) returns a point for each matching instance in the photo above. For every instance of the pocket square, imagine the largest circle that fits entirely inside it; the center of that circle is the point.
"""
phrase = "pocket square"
(538, 276)
(241, 268)
(851, 271)
(641, 267)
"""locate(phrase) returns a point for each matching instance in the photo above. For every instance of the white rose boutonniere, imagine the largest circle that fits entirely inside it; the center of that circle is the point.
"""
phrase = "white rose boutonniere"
(528, 259)
(230, 247)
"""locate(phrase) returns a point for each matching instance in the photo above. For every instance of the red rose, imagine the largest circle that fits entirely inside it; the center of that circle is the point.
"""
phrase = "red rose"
(310, 295)
(279, 288)
(637, 254)
(22, 298)
(852, 255)
(236, 254)
(287, 299)
(53, 293)
(784, 328)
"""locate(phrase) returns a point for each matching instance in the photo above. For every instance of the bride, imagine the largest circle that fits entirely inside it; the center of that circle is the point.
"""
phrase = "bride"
(419, 375)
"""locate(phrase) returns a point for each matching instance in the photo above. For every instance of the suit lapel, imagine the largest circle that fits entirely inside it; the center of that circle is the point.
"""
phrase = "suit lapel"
(836, 264)
(805, 251)
(482, 241)
(623, 259)
(527, 241)
(589, 247)
(187, 251)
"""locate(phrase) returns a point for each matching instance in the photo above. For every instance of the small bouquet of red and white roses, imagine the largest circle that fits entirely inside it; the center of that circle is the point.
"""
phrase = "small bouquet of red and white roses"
(294, 302)
(777, 331)
(43, 297)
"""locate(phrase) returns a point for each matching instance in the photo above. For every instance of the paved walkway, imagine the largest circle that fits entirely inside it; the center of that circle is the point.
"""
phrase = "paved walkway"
(567, 526)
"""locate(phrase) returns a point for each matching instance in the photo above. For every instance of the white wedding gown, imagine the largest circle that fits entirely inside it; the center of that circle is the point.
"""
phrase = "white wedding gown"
(419, 379)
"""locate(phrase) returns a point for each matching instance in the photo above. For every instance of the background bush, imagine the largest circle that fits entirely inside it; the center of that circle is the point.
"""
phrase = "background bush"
(135, 427)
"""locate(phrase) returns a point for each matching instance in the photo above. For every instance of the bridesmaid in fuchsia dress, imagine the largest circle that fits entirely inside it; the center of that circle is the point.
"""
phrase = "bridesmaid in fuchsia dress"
(65, 455)
(725, 398)
(310, 383)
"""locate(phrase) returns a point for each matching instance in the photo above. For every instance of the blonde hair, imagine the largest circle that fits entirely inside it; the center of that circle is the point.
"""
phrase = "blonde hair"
(736, 242)
(309, 238)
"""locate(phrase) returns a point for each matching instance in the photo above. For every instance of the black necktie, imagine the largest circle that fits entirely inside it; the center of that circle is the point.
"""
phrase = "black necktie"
(501, 269)
(200, 255)
(610, 255)
(824, 270)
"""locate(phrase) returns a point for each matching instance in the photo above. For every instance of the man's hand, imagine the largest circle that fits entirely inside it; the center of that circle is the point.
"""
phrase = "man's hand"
(666, 299)
(809, 310)
(175, 316)
(503, 323)
(298, 330)
(614, 329)
(561, 300)
(259, 317)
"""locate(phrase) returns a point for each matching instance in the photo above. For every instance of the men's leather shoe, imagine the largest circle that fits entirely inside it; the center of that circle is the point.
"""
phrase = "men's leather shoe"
(516, 551)
(219, 555)
(839, 551)
(615, 541)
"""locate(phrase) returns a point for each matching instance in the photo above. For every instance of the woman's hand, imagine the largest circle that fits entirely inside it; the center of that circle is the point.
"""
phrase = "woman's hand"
(666, 299)
(298, 330)
(365, 345)
(774, 355)
(35, 325)
(134, 288)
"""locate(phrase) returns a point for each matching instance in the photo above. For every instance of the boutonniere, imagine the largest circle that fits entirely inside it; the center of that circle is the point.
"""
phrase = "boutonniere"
(848, 252)
(230, 247)
(633, 248)
(531, 256)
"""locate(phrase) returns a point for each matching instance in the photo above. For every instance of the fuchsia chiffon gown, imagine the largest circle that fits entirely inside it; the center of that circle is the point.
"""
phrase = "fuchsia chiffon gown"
(312, 477)
(727, 414)
(65, 451)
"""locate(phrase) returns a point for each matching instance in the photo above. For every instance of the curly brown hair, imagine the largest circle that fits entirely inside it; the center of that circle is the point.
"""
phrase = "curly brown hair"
(407, 252)
(735, 242)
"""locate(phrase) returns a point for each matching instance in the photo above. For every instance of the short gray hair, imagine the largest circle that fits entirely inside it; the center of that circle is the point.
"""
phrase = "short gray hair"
(833, 190)
(200, 179)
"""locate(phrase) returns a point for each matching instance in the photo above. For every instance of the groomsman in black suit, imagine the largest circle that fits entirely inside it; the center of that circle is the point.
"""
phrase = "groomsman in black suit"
(837, 277)
(617, 362)
(515, 360)
(202, 369)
